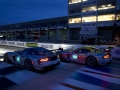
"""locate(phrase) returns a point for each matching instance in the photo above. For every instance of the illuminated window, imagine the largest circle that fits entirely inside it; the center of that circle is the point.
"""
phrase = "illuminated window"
(74, 1)
(109, 17)
(91, 8)
(89, 19)
(106, 6)
(75, 20)
(84, 0)
(118, 17)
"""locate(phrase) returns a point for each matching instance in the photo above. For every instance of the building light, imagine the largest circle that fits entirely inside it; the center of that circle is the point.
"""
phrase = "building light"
(109, 5)
(84, 0)
(103, 6)
(92, 7)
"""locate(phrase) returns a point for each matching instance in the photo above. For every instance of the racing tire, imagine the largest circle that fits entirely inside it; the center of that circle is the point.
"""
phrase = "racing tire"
(91, 61)
(28, 64)
(6, 58)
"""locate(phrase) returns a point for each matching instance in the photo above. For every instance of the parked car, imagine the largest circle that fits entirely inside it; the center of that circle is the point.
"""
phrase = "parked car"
(33, 58)
(88, 55)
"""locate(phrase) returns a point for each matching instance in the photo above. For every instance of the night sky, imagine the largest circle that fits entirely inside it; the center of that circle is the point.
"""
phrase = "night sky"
(17, 11)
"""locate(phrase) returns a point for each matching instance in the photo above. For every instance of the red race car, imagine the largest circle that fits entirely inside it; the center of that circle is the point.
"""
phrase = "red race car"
(88, 55)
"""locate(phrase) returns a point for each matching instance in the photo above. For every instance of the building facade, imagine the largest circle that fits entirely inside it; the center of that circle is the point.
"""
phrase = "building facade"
(52, 29)
(91, 18)
(86, 19)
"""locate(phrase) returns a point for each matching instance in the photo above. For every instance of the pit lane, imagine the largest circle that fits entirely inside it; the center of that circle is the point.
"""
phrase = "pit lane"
(39, 81)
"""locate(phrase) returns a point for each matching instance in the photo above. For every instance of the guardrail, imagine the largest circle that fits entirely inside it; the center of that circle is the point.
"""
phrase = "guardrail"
(63, 41)
(115, 51)
(42, 44)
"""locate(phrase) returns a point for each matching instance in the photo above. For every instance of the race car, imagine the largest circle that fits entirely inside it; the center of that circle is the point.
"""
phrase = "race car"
(33, 58)
(88, 55)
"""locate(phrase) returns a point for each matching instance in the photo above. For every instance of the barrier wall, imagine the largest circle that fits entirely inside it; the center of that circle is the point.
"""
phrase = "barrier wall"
(34, 44)
(45, 45)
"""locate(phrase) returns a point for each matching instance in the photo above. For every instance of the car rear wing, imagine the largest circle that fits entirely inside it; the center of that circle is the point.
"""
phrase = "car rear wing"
(60, 49)
(54, 50)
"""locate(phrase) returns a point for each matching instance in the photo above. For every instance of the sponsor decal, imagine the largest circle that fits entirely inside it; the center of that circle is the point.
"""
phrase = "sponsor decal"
(89, 24)
(11, 43)
(87, 54)
(4, 42)
(31, 44)
(20, 44)
(47, 46)
(87, 3)
(84, 14)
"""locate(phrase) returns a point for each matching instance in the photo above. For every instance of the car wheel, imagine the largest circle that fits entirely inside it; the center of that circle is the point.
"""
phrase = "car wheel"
(28, 64)
(91, 61)
(6, 58)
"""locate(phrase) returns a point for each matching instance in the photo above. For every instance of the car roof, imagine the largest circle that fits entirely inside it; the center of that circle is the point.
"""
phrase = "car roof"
(36, 48)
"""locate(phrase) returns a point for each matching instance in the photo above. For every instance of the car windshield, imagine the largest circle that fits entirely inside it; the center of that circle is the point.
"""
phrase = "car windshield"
(40, 49)
(96, 49)
(43, 50)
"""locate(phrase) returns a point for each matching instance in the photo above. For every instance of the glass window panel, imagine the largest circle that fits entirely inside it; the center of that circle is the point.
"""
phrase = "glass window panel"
(109, 17)
(74, 1)
(118, 17)
(75, 20)
(89, 19)
(106, 6)
(91, 8)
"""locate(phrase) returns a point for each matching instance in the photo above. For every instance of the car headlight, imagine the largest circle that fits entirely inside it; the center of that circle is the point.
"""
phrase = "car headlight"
(18, 59)
(74, 56)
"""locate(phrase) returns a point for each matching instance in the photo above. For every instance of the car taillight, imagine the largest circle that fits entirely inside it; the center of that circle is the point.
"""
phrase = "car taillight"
(58, 56)
(43, 60)
(106, 56)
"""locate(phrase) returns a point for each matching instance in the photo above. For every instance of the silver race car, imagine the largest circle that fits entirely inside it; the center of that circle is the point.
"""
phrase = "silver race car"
(33, 58)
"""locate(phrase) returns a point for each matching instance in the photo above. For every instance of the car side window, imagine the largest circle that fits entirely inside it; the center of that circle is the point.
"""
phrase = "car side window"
(84, 51)
(81, 50)
(87, 50)
(24, 52)
(33, 52)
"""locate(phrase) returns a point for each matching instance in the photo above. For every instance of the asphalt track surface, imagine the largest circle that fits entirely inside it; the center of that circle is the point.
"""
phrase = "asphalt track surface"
(66, 76)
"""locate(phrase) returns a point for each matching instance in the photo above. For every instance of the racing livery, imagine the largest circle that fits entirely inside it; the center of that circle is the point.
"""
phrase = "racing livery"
(88, 55)
(33, 58)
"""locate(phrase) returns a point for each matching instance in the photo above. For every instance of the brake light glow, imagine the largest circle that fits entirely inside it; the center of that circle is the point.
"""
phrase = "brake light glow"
(106, 56)
(44, 60)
